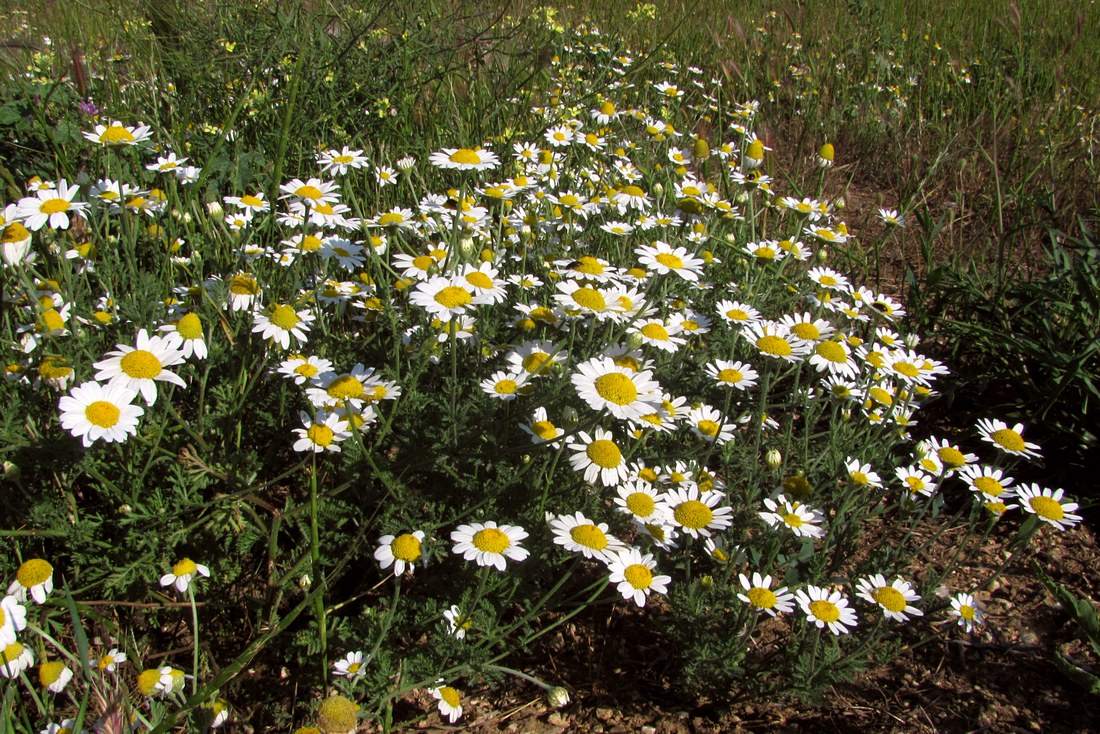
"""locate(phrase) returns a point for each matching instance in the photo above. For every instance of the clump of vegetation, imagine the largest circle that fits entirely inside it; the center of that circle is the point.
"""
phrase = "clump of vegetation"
(383, 404)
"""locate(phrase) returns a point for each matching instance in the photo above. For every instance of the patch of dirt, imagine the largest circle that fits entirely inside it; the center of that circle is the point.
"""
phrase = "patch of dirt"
(1002, 679)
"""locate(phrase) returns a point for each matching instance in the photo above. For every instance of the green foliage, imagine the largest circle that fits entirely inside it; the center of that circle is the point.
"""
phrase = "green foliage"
(1083, 612)
(778, 476)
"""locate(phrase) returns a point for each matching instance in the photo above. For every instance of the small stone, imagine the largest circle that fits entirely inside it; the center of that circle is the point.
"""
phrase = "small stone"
(604, 714)
(556, 719)
(647, 729)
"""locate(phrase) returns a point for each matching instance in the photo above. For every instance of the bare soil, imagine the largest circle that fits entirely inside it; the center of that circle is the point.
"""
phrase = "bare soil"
(1001, 679)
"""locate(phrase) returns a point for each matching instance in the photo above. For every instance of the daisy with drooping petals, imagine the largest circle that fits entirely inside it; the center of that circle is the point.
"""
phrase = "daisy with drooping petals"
(182, 573)
(450, 702)
(280, 322)
(801, 520)
(1009, 440)
(1048, 506)
(633, 574)
(541, 428)
(33, 578)
(458, 624)
(862, 475)
(464, 159)
(54, 676)
(402, 552)
(13, 619)
(302, 369)
(599, 457)
(311, 192)
(14, 659)
(94, 411)
(504, 385)
(895, 599)
(322, 432)
(192, 337)
(140, 367)
(489, 544)
(337, 162)
(624, 393)
(578, 534)
(827, 609)
(970, 613)
(737, 375)
(118, 134)
(708, 424)
(990, 483)
(760, 595)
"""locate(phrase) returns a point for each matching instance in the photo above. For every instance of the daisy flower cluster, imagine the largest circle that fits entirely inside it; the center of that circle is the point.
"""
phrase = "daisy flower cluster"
(600, 342)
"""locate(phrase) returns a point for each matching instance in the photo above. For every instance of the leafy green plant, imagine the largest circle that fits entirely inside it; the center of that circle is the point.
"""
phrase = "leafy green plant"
(1083, 612)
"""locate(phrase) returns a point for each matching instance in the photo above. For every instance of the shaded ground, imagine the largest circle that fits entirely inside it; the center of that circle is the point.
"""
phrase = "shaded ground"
(1001, 680)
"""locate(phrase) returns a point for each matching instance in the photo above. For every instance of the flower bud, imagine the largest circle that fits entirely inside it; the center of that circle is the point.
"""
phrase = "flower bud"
(773, 458)
(557, 697)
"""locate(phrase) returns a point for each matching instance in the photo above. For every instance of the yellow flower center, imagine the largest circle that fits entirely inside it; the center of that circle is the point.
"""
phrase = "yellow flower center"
(1047, 508)
(890, 598)
(776, 346)
(406, 548)
(479, 279)
(793, 519)
(916, 484)
(33, 572)
(450, 696)
(343, 159)
(285, 317)
(968, 612)
(831, 351)
(505, 387)
(907, 369)
(320, 434)
(807, 331)
(590, 298)
(52, 320)
(185, 567)
(189, 326)
(306, 370)
(491, 540)
(989, 486)
(656, 332)
(345, 387)
(730, 375)
(53, 206)
(54, 368)
(544, 430)
(604, 453)
(308, 192)
(116, 135)
(250, 200)
(390, 219)
(736, 314)
(48, 673)
(824, 610)
(951, 456)
(102, 413)
(465, 157)
(762, 598)
(638, 575)
(140, 364)
(669, 260)
(641, 504)
(859, 477)
(693, 514)
(708, 427)
(243, 285)
(617, 388)
(589, 536)
(1008, 439)
(536, 362)
(589, 265)
(453, 296)
(879, 395)
(147, 681)
(14, 232)
(635, 192)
